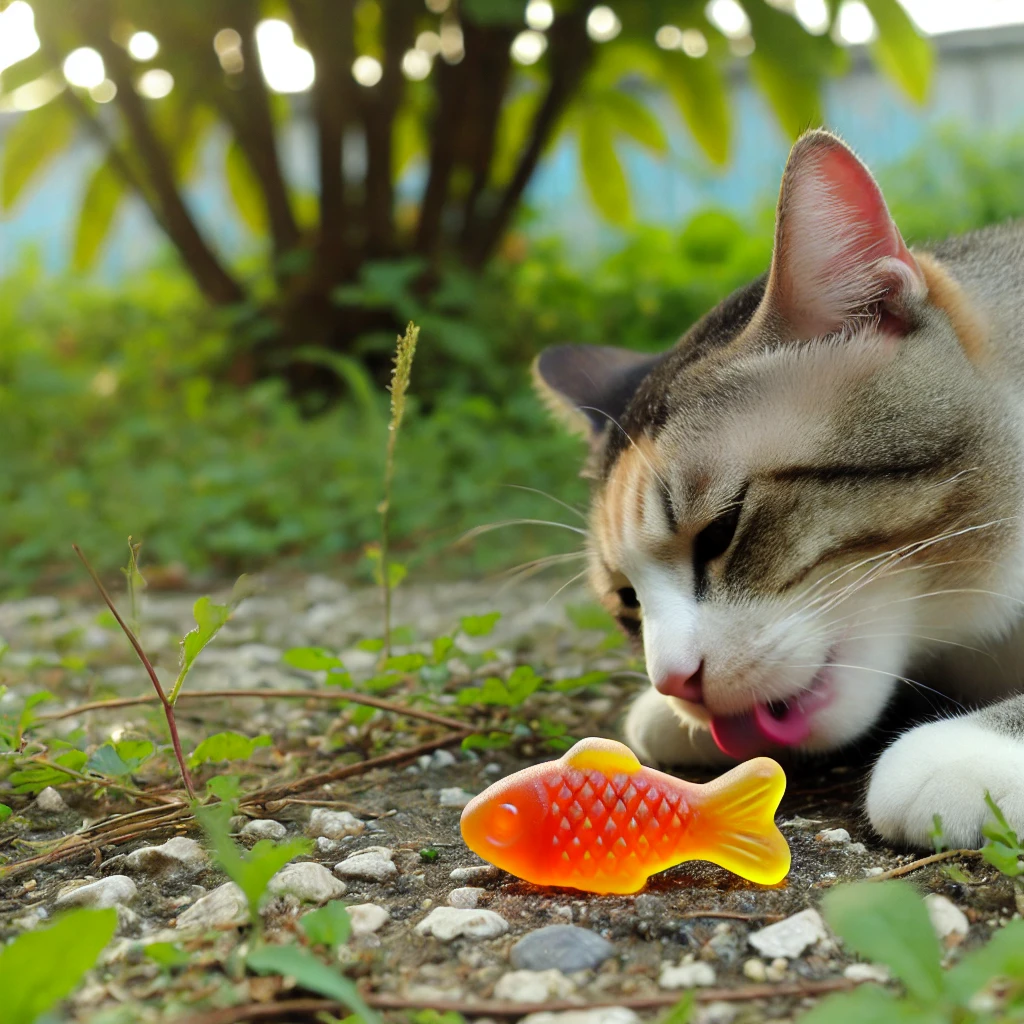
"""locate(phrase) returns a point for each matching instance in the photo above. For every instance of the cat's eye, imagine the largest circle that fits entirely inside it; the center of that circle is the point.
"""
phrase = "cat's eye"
(715, 538)
(627, 595)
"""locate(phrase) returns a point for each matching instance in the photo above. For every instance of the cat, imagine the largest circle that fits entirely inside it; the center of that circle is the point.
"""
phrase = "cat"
(817, 492)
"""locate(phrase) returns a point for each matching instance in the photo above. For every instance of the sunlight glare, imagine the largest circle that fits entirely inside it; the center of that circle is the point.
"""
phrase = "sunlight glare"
(143, 46)
(539, 14)
(855, 26)
(528, 47)
(155, 84)
(367, 70)
(603, 24)
(84, 67)
(18, 38)
(286, 66)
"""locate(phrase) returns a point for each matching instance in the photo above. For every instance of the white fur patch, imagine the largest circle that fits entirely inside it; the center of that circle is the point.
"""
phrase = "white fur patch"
(945, 768)
(660, 732)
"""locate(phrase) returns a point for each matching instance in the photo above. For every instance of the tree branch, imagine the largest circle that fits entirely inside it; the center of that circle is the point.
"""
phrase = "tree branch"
(380, 104)
(570, 53)
(328, 32)
(214, 281)
(248, 112)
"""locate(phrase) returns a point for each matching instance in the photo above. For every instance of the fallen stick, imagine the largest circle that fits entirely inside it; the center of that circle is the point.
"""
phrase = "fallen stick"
(340, 695)
(923, 862)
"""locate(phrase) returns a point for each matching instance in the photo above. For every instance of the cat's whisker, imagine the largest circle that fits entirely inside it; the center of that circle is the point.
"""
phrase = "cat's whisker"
(568, 583)
(544, 494)
(488, 527)
(541, 563)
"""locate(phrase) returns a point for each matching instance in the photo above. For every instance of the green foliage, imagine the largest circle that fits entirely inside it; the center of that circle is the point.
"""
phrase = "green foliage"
(250, 870)
(681, 1012)
(121, 758)
(100, 201)
(888, 923)
(510, 693)
(209, 618)
(166, 954)
(479, 625)
(329, 926)
(30, 147)
(1003, 849)
(226, 746)
(34, 778)
(310, 973)
(40, 968)
(311, 659)
(5, 812)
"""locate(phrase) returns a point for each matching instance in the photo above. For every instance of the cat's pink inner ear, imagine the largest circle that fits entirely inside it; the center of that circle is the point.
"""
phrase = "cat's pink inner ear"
(838, 251)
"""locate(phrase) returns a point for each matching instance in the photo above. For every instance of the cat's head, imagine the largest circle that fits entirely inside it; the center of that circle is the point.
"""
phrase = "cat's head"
(780, 498)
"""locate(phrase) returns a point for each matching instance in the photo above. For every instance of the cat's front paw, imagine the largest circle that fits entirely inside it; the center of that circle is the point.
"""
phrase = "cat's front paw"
(945, 768)
(659, 734)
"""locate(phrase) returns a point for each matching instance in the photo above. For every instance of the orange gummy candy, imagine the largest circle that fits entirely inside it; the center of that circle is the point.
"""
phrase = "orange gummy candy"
(597, 820)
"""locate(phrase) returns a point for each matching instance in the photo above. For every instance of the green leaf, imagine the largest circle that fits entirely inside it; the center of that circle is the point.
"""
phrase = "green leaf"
(870, 1004)
(697, 86)
(580, 682)
(602, 172)
(680, 1013)
(372, 645)
(311, 659)
(5, 812)
(249, 870)
(328, 926)
(166, 954)
(100, 201)
(227, 789)
(120, 759)
(405, 663)
(900, 50)
(793, 95)
(310, 973)
(227, 746)
(492, 741)
(479, 625)
(40, 968)
(442, 649)
(634, 118)
(888, 923)
(245, 189)
(209, 618)
(1002, 957)
(31, 144)
(34, 778)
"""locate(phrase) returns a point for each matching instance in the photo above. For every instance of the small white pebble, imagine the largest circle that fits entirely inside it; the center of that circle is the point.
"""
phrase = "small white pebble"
(867, 972)
(492, 768)
(467, 897)
(833, 835)
(776, 970)
(687, 975)
(856, 848)
(367, 918)
(754, 969)
(947, 918)
(872, 872)
(454, 796)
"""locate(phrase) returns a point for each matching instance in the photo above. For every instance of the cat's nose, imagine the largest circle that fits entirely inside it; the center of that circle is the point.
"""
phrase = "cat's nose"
(685, 686)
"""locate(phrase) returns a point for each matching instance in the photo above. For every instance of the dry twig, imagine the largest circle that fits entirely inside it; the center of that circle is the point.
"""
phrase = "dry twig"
(923, 862)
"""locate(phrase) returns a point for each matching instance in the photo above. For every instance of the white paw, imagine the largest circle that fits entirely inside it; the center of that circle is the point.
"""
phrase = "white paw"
(944, 768)
(658, 732)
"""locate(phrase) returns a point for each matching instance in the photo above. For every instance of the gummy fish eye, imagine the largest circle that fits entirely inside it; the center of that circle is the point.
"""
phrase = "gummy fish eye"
(505, 825)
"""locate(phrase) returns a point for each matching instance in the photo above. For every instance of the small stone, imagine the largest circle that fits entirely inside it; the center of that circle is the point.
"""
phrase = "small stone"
(447, 923)
(177, 854)
(856, 848)
(873, 871)
(367, 918)
(776, 970)
(867, 972)
(754, 969)
(476, 873)
(947, 918)
(454, 796)
(562, 946)
(599, 1015)
(466, 897)
(687, 975)
(492, 768)
(225, 905)
(117, 890)
(718, 1012)
(309, 882)
(334, 824)
(789, 938)
(533, 986)
(328, 847)
(265, 828)
(374, 864)
(833, 835)
(441, 759)
(50, 801)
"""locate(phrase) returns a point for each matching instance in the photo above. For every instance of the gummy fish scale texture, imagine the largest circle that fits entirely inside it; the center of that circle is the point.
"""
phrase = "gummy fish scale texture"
(601, 825)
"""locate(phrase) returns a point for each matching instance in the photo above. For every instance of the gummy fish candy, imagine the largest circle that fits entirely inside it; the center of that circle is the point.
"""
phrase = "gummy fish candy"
(597, 820)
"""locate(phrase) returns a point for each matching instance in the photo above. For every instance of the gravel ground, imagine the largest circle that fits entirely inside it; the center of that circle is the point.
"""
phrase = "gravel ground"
(429, 931)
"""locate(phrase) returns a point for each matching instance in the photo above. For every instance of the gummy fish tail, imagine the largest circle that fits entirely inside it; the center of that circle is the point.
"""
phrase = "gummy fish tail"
(736, 826)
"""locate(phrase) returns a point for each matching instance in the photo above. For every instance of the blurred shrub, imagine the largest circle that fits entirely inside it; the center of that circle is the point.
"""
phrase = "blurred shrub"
(113, 421)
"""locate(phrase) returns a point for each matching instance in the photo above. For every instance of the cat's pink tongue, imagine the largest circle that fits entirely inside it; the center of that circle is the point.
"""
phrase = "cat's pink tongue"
(743, 736)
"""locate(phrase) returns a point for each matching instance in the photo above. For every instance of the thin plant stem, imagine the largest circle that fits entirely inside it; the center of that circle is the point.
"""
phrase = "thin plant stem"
(399, 386)
(148, 666)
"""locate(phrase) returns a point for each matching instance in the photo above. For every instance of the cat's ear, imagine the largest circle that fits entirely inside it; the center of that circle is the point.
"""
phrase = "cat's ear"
(838, 254)
(588, 386)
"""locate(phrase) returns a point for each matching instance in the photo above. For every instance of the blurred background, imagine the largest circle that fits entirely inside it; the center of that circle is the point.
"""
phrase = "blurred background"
(215, 215)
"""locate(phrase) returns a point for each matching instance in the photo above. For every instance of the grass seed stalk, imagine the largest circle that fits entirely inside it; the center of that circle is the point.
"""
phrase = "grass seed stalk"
(399, 387)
